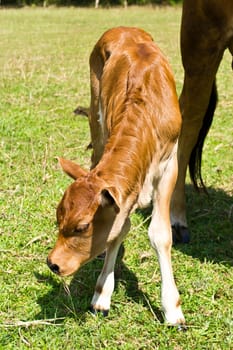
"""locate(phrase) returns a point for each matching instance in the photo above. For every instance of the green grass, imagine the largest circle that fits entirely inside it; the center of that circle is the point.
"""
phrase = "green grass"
(44, 75)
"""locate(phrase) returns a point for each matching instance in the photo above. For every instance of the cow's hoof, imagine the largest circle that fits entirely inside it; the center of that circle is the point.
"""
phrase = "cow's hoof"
(96, 312)
(180, 234)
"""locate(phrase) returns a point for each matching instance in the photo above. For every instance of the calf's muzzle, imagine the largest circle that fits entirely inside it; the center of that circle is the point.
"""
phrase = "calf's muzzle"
(53, 267)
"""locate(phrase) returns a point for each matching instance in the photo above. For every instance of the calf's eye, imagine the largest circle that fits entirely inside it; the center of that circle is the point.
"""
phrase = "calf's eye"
(81, 228)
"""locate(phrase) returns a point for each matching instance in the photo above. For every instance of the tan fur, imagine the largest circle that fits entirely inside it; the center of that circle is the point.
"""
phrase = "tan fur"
(135, 122)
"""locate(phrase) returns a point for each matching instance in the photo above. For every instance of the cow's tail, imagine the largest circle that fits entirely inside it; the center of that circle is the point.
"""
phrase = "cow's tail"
(196, 155)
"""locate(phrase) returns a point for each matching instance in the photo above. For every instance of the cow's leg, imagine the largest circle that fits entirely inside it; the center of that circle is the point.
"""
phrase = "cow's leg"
(161, 240)
(105, 284)
(201, 54)
(194, 102)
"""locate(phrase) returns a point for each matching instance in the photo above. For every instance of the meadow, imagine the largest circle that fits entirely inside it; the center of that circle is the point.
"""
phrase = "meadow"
(44, 75)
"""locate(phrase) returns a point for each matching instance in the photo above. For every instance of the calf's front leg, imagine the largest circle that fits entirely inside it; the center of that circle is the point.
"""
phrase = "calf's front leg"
(161, 240)
(105, 283)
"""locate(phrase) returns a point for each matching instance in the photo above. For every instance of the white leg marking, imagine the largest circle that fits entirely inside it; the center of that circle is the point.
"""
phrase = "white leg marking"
(102, 300)
(105, 283)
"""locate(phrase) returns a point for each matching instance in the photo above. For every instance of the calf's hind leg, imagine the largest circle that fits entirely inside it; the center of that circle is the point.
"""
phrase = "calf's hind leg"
(161, 240)
(95, 115)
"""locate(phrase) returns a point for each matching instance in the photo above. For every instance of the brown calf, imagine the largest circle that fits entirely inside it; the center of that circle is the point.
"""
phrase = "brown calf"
(206, 31)
(135, 122)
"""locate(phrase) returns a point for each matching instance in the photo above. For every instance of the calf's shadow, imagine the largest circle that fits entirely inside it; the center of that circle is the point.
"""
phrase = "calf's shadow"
(211, 223)
(74, 300)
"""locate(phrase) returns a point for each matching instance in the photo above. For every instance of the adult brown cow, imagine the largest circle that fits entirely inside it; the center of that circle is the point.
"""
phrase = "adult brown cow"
(206, 31)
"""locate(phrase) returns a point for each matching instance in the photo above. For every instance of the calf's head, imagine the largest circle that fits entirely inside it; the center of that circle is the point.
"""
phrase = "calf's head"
(85, 216)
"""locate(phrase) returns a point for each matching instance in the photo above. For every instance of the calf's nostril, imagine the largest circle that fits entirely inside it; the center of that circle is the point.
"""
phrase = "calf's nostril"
(53, 267)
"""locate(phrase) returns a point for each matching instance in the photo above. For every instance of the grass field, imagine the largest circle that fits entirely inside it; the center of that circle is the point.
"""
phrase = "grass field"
(44, 75)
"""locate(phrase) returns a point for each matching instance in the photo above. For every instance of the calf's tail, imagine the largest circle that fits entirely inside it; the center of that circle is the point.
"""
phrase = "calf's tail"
(196, 155)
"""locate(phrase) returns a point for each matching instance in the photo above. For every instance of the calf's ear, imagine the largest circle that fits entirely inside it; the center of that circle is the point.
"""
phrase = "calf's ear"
(109, 196)
(72, 169)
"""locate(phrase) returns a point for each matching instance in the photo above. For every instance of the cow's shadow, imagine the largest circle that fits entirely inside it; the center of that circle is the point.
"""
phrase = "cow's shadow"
(74, 300)
(211, 223)
(210, 218)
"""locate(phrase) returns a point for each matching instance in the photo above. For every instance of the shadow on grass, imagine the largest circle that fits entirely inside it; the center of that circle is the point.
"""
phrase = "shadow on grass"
(210, 219)
(74, 301)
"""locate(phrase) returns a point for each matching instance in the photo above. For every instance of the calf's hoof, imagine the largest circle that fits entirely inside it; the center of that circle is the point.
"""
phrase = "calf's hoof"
(95, 311)
(81, 111)
(180, 234)
(182, 328)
